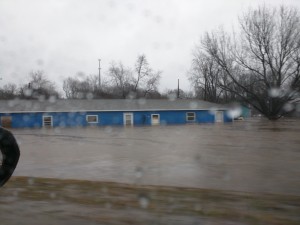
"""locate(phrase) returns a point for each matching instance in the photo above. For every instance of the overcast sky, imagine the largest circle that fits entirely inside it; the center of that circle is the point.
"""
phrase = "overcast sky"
(64, 37)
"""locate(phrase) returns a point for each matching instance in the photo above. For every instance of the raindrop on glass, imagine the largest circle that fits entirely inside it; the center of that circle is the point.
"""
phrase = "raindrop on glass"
(30, 181)
(274, 92)
(89, 96)
(28, 92)
(288, 107)
(139, 172)
(143, 201)
(52, 99)
(193, 105)
(172, 97)
(235, 112)
(52, 195)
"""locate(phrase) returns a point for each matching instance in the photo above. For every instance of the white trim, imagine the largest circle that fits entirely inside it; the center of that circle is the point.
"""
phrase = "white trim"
(51, 125)
(186, 117)
(87, 120)
(158, 119)
(131, 119)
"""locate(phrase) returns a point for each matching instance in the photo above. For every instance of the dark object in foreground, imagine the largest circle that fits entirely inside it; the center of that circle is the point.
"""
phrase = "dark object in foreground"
(10, 155)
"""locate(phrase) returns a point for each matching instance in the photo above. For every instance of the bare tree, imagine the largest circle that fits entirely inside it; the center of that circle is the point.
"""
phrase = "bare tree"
(9, 91)
(70, 87)
(121, 78)
(205, 75)
(261, 65)
(39, 86)
(145, 80)
(83, 86)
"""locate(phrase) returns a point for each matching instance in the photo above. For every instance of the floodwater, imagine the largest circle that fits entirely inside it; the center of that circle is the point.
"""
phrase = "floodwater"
(247, 172)
(253, 156)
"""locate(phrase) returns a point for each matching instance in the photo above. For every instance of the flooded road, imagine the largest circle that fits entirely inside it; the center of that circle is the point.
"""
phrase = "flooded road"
(253, 156)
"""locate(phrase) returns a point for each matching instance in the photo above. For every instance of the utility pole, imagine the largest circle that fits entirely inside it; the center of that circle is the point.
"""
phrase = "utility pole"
(178, 90)
(99, 74)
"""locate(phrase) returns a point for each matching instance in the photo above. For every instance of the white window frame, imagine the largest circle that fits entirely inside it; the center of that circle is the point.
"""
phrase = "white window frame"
(88, 116)
(124, 119)
(46, 125)
(158, 119)
(187, 117)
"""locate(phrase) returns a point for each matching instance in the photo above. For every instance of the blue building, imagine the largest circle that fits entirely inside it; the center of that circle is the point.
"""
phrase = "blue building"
(104, 112)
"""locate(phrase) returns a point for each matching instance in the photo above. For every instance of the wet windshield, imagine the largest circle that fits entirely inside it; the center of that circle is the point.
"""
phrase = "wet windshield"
(149, 112)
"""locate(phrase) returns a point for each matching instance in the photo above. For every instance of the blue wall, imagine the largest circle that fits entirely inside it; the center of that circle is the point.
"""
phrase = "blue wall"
(72, 119)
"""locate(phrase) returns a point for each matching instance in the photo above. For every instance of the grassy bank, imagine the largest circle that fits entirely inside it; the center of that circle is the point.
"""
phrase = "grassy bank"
(92, 202)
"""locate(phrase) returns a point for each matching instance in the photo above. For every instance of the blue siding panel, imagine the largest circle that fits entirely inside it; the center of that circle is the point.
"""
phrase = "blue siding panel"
(110, 118)
(227, 118)
(31, 120)
(205, 116)
(75, 119)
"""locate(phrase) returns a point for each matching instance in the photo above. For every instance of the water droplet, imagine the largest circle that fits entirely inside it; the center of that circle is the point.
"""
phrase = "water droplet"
(41, 98)
(80, 95)
(226, 176)
(212, 110)
(108, 129)
(163, 123)
(52, 99)
(57, 130)
(40, 62)
(139, 172)
(108, 205)
(28, 92)
(62, 124)
(89, 96)
(26, 118)
(235, 112)
(131, 95)
(52, 195)
(104, 190)
(198, 157)
(288, 107)
(16, 193)
(198, 207)
(172, 97)
(143, 201)
(193, 105)
(274, 92)
(142, 101)
(30, 181)
(298, 107)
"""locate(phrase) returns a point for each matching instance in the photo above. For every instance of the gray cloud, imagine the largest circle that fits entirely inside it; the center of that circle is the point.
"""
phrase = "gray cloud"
(63, 37)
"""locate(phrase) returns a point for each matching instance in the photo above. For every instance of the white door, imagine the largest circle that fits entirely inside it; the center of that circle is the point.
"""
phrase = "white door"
(128, 119)
(219, 117)
(155, 119)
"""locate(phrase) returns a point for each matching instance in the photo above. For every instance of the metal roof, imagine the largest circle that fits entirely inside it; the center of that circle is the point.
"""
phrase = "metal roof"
(85, 105)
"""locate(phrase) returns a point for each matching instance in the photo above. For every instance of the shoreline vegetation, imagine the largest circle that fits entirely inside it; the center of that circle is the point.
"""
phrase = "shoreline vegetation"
(67, 201)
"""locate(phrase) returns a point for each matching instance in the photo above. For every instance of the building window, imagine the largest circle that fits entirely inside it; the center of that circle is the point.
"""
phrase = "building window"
(155, 119)
(47, 121)
(92, 118)
(190, 117)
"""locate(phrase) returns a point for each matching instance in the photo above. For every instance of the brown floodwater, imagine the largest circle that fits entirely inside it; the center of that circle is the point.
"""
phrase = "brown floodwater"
(255, 155)
(247, 172)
